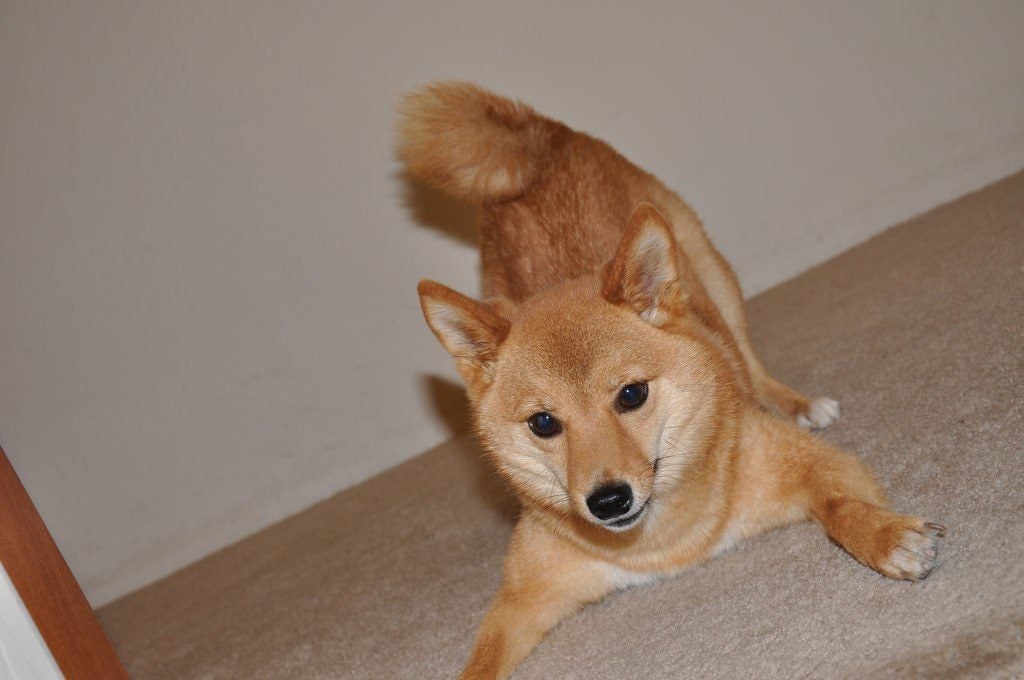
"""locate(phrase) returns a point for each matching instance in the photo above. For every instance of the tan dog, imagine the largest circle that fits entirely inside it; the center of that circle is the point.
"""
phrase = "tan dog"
(612, 377)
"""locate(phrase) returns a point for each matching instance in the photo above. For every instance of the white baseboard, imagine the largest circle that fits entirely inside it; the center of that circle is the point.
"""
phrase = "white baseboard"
(23, 653)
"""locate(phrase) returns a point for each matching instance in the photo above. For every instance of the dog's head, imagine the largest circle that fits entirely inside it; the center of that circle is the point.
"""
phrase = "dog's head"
(595, 397)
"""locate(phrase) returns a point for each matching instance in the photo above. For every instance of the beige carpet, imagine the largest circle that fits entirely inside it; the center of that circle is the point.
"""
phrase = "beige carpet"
(919, 333)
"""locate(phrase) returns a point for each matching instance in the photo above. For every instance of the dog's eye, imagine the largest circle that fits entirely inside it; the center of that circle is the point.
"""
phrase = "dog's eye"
(543, 424)
(632, 396)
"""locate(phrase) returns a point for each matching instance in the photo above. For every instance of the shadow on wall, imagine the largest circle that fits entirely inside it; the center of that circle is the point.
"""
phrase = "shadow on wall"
(458, 221)
(449, 403)
(436, 210)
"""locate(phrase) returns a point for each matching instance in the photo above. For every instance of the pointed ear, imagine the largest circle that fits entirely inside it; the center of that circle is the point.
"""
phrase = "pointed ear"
(644, 274)
(471, 331)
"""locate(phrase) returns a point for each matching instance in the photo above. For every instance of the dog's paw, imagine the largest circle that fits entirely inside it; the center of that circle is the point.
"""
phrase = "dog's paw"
(915, 553)
(821, 412)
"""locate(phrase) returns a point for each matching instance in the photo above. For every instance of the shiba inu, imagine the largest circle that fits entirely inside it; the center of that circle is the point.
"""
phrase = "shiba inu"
(612, 378)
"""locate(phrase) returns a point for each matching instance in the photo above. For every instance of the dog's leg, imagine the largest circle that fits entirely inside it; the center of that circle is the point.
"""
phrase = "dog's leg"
(848, 503)
(811, 414)
(723, 288)
(545, 581)
(792, 472)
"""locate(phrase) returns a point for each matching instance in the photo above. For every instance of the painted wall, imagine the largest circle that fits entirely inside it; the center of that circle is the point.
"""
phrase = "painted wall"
(208, 258)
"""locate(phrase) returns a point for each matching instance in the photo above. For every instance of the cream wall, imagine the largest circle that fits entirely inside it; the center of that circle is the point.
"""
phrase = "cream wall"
(207, 272)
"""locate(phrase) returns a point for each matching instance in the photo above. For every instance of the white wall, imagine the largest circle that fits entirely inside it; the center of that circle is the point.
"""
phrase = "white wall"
(207, 308)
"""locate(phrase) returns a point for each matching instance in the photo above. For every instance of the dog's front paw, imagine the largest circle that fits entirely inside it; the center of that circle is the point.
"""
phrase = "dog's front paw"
(821, 412)
(915, 553)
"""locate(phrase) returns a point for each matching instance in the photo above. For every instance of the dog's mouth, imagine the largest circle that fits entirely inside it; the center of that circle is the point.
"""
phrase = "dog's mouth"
(629, 521)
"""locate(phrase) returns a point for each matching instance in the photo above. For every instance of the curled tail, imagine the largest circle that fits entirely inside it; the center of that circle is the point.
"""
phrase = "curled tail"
(471, 143)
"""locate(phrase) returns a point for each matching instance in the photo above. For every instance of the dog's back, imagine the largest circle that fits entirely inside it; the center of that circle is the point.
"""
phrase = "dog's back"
(554, 201)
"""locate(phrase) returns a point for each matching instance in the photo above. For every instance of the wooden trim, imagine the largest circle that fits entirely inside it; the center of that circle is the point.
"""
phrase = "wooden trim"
(50, 592)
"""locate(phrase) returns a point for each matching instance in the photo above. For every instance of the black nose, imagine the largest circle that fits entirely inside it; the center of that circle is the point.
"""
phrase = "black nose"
(611, 500)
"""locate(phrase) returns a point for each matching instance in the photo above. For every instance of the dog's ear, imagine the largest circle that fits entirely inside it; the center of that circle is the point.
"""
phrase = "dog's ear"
(471, 331)
(644, 274)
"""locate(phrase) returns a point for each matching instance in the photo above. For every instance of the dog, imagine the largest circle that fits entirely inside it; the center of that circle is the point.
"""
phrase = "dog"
(612, 379)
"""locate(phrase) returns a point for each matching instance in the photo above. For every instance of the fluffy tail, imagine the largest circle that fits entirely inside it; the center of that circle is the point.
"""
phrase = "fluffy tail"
(471, 143)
